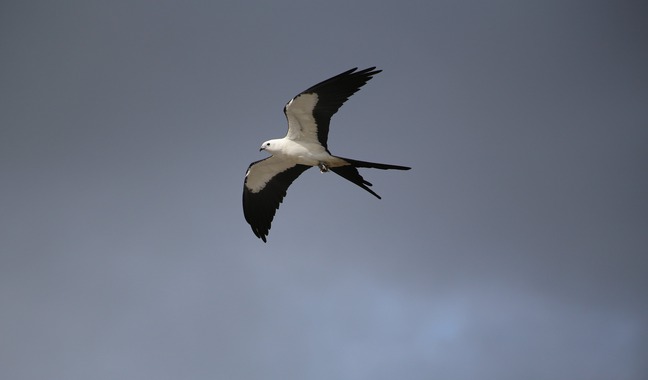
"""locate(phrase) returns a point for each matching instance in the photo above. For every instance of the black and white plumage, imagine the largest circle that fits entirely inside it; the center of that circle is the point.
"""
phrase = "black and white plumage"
(304, 146)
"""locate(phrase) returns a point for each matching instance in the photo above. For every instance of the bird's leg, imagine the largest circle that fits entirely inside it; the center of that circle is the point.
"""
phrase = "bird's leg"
(323, 167)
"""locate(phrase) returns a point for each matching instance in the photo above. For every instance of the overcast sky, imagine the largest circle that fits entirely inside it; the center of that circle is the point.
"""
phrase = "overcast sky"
(516, 247)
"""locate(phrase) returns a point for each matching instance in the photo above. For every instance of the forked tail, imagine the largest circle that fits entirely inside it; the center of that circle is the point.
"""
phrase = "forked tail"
(350, 172)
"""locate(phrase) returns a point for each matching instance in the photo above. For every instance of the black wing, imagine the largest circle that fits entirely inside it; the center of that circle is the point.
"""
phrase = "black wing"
(266, 183)
(309, 116)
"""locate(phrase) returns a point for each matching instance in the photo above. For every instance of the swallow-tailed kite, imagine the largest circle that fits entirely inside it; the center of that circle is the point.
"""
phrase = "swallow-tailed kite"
(304, 146)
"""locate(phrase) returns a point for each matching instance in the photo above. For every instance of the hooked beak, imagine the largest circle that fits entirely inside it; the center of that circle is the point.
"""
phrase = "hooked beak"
(262, 148)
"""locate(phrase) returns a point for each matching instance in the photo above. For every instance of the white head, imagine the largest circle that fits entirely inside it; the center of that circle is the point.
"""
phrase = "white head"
(272, 146)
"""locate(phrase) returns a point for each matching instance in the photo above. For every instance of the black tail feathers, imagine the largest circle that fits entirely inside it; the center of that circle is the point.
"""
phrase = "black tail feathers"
(374, 165)
(350, 173)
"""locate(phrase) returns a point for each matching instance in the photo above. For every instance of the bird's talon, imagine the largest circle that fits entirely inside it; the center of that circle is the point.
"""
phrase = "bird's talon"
(323, 168)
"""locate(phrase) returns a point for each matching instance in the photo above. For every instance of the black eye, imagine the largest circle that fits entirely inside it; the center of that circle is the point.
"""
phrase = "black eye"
(267, 144)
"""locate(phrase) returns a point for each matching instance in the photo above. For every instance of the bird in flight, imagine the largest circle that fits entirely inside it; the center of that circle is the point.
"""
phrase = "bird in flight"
(305, 146)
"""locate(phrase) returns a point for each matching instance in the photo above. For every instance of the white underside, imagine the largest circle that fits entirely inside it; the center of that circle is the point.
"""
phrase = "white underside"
(305, 153)
(287, 153)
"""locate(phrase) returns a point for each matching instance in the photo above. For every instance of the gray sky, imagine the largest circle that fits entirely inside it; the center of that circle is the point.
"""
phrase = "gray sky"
(515, 247)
